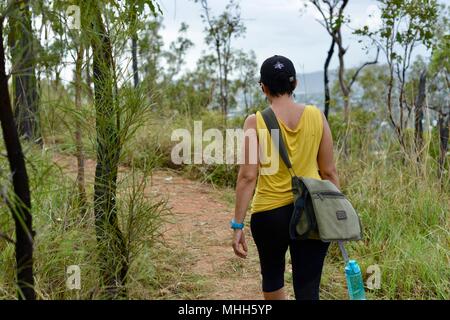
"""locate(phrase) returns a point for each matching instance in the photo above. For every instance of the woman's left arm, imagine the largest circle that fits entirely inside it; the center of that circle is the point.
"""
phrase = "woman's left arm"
(246, 181)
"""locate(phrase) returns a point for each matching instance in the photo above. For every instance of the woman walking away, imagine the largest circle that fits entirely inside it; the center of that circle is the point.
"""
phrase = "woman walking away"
(309, 144)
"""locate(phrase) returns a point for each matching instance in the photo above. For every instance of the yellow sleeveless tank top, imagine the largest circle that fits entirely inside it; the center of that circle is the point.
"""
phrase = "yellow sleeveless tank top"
(302, 144)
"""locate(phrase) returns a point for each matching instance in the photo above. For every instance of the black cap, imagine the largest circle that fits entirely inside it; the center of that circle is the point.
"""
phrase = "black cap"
(277, 67)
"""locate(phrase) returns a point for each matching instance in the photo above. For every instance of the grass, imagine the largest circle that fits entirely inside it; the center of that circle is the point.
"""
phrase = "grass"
(165, 276)
(406, 230)
(403, 208)
(64, 238)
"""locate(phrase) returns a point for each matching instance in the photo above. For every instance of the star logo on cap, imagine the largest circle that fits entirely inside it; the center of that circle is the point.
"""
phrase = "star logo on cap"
(278, 65)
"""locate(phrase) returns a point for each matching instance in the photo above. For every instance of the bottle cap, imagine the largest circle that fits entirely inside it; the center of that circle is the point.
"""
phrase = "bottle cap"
(353, 266)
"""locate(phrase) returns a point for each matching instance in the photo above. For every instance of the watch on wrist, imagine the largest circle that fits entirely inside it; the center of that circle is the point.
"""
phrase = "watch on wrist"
(234, 225)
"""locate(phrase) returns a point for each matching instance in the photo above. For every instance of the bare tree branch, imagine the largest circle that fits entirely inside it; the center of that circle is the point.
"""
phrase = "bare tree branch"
(355, 75)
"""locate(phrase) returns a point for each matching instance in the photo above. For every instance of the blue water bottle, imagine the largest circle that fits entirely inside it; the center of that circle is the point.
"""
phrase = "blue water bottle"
(355, 284)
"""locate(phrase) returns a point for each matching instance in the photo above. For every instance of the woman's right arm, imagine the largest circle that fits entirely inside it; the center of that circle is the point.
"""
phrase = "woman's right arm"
(246, 181)
(325, 159)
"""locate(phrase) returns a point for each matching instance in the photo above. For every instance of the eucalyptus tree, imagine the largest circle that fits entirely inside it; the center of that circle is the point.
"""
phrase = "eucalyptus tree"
(23, 53)
(178, 49)
(333, 19)
(439, 86)
(150, 50)
(405, 25)
(246, 82)
(220, 30)
(415, 96)
(135, 14)
(18, 201)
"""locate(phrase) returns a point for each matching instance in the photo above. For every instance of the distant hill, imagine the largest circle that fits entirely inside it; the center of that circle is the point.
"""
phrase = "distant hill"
(310, 88)
(312, 83)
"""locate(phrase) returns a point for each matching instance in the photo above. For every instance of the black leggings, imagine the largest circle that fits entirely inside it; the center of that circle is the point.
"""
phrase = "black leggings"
(270, 230)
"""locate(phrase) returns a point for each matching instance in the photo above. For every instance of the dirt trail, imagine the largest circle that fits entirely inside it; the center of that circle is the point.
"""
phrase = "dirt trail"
(200, 227)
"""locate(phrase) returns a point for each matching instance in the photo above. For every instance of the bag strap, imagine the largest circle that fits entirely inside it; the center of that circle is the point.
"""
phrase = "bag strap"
(343, 251)
(272, 124)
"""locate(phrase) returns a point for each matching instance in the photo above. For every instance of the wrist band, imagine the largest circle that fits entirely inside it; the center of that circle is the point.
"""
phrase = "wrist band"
(235, 225)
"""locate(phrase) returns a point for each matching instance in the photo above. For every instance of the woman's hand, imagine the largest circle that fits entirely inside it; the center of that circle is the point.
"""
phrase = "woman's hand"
(239, 244)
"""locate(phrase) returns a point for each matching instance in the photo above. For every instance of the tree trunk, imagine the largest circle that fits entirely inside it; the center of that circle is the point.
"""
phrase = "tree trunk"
(88, 76)
(246, 101)
(24, 78)
(221, 86)
(444, 128)
(419, 104)
(134, 47)
(112, 247)
(344, 88)
(21, 204)
(82, 201)
(225, 95)
(326, 80)
(398, 130)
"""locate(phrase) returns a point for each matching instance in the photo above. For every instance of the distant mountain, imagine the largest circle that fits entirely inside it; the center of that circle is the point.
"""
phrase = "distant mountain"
(310, 88)
(312, 83)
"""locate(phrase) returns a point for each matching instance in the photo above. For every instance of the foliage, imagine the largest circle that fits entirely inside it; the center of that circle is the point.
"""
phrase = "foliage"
(220, 30)
(404, 25)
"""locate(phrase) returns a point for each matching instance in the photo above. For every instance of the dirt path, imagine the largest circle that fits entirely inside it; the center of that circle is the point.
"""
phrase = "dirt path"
(199, 226)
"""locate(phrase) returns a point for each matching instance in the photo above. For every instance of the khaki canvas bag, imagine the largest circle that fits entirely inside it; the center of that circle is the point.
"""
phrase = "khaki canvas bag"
(321, 211)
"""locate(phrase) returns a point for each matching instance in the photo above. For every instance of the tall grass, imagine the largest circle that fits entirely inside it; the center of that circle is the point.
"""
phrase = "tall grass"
(65, 238)
(406, 227)
(405, 214)
(403, 207)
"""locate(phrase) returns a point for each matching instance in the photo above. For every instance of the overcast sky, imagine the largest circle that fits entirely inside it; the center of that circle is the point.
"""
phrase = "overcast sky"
(275, 27)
